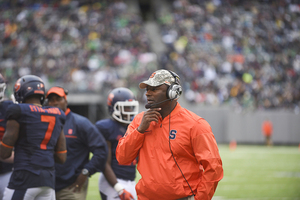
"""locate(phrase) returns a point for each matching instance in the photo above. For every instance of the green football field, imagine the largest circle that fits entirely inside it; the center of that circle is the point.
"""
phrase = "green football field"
(250, 173)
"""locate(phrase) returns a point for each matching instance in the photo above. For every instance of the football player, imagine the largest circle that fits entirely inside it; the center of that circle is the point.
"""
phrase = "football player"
(118, 180)
(36, 134)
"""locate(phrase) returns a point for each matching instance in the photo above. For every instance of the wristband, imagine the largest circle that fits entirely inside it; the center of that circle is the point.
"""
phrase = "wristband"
(119, 188)
(65, 151)
(7, 146)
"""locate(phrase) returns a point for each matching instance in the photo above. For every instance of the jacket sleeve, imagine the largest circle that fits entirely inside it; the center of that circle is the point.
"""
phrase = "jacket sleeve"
(130, 144)
(97, 145)
(207, 154)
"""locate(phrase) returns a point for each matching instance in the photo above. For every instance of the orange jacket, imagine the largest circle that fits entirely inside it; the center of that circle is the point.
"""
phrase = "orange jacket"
(194, 148)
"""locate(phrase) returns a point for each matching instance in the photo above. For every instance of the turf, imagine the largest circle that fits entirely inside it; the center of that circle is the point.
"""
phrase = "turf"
(251, 173)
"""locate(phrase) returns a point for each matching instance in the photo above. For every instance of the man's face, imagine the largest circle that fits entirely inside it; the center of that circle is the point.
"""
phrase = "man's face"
(57, 101)
(157, 94)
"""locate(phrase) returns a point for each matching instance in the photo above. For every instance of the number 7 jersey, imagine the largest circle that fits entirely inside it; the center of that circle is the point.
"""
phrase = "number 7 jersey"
(39, 131)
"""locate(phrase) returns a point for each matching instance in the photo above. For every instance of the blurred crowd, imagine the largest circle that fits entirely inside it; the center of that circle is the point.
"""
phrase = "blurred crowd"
(83, 46)
(245, 54)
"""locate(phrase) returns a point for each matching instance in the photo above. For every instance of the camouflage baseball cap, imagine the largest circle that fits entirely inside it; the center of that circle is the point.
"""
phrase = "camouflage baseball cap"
(158, 78)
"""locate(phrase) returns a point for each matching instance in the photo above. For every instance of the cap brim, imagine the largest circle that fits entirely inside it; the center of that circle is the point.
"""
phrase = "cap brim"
(56, 90)
(144, 84)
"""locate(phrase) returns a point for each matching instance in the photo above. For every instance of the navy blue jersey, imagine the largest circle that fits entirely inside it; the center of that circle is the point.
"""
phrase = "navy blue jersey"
(40, 128)
(4, 167)
(82, 137)
(112, 132)
(39, 131)
(23, 179)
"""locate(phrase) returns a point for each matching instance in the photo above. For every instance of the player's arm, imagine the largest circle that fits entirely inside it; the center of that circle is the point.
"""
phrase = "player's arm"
(112, 179)
(108, 172)
(9, 139)
(60, 155)
(97, 145)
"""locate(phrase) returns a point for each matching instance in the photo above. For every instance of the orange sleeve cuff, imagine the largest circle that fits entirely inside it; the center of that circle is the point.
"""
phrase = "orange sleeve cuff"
(65, 151)
(7, 146)
(139, 131)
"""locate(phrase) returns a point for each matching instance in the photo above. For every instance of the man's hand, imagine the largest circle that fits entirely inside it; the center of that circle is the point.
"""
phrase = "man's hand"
(149, 116)
(125, 195)
(77, 185)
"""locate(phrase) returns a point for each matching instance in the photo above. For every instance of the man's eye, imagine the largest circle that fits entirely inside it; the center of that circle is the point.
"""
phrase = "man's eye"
(151, 89)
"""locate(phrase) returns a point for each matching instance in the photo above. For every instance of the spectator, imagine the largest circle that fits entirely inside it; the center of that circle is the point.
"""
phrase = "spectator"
(82, 139)
(36, 134)
(117, 180)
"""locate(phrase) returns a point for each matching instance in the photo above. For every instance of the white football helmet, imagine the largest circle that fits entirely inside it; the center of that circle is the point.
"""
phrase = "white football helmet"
(122, 105)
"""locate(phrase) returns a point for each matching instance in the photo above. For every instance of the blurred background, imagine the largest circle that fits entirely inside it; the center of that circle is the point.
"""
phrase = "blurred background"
(239, 61)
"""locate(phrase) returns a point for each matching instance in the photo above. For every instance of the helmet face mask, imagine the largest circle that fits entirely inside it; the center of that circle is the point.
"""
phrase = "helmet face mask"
(2, 87)
(122, 105)
(2, 90)
(29, 85)
(125, 111)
